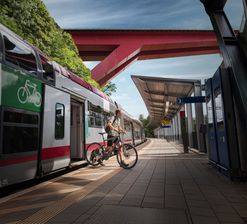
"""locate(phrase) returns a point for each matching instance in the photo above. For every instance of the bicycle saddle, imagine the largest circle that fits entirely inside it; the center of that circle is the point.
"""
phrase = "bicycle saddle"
(102, 133)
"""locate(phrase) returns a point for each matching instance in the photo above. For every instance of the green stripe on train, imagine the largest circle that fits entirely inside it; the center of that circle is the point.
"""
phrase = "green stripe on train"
(20, 90)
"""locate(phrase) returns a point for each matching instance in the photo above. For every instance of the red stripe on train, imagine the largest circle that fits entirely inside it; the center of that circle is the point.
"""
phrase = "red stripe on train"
(47, 153)
(54, 152)
(8, 162)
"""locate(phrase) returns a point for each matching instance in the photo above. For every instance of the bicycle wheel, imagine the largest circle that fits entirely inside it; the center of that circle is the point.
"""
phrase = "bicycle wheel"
(37, 99)
(127, 157)
(22, 95)
(93, 153)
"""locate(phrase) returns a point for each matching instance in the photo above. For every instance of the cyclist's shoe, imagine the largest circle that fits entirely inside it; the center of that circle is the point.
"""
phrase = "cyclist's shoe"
(122, 163)
(105, 156)
(101, 162)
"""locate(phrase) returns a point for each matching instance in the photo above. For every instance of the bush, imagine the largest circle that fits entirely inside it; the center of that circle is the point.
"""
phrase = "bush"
(31, 20)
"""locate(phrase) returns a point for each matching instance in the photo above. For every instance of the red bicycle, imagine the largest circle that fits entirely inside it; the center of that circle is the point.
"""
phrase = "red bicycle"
(127, 155)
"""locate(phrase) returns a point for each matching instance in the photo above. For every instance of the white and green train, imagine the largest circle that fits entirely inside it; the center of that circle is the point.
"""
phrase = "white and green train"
(48, 115)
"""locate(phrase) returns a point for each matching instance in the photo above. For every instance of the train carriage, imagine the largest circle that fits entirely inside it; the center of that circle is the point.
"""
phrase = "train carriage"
(128, 127)
(137, 132)
(48, 114)
(21, 109)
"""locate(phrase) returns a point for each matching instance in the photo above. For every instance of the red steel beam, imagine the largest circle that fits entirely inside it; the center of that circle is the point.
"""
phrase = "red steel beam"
(119, 48)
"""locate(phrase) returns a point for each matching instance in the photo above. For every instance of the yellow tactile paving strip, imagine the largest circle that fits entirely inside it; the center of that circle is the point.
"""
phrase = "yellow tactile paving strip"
(66, 190)
(44, 215)
(23, 208)
(42, 195)
(44, 184)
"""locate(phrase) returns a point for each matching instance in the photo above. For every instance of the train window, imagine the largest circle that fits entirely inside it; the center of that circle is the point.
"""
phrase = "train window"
(95, 118)
(20, 55)
(59, 121)
(19, 139)
(20, 132)
(1, 48)
(71, 116)
(98, 120)
(91, 121)
(127, 125)
(48, 72)
(13, 117)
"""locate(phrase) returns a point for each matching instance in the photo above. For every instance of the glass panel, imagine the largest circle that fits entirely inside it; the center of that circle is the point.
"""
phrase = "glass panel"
(19, 139)
(126, 126)
(17, 117)
(219, 108)
(48, 72)
(98, 120)
(59, 121)
(71, 116)
(19, 55)
(235, 13)
(95, 119)
(91, 121)
(210, 112)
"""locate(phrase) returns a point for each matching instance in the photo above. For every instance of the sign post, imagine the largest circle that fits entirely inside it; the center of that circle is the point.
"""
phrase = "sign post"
(184, 132)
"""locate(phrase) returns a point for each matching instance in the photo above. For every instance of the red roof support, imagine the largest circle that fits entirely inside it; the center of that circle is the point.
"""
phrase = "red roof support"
(118, 48)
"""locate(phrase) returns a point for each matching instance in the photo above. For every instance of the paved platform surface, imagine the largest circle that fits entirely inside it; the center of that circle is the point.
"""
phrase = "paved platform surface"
(166, 186)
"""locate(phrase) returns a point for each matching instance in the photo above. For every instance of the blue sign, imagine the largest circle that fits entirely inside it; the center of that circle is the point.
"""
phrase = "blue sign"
(165, 126)
(191, 99)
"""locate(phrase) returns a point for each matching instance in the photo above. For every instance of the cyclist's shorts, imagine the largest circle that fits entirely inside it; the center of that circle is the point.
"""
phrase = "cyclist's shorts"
(112, 139)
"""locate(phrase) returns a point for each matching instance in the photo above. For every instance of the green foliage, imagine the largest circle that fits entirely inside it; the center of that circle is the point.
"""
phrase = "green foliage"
(109, 88)
(147, 130)
(31, 20)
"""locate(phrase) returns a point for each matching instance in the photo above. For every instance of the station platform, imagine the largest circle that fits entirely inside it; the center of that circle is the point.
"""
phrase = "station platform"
(166, 186)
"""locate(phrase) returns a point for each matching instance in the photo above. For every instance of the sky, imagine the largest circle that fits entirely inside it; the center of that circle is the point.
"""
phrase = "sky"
(145, 14)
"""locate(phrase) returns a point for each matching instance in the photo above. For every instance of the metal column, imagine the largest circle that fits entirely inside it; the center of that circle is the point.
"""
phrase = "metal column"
(179, 129)
(176, 127)
(184, 132)
(236, 64)
(199, 117)
(189, 123)
(234, 59)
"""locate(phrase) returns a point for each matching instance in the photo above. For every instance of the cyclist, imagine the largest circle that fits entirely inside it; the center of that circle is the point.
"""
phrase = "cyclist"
(115, 129)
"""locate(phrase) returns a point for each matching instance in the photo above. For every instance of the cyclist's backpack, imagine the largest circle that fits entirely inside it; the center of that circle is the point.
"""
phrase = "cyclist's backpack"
(107, 128)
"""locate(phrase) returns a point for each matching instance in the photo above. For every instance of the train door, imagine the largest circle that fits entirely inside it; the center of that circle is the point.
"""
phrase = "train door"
(212, 139)
(77, 135)
(55, 153)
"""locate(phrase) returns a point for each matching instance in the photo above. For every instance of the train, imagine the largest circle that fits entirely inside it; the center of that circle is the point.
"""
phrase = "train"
(48, 114)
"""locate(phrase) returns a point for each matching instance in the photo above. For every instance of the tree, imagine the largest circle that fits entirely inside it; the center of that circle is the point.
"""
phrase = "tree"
(31, 20)
(141, 118)
(109, 88)
(147, 130)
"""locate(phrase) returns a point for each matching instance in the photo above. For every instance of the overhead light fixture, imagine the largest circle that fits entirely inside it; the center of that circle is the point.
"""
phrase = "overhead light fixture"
(167, 106)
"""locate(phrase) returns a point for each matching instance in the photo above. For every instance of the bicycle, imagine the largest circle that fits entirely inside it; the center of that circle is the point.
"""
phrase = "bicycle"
(29, 93)
(126, 157)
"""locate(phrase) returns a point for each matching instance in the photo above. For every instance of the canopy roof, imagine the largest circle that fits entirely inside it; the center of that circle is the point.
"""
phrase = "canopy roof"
(160, 95)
